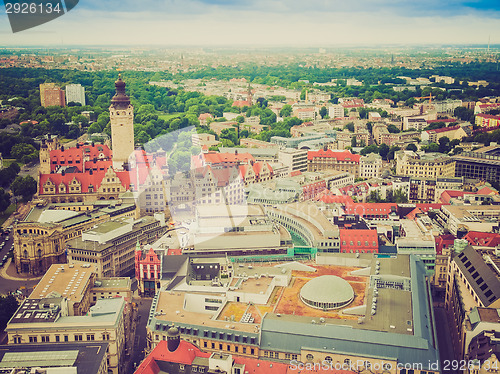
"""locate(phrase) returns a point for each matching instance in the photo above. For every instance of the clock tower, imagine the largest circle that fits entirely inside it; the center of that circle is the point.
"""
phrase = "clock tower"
(121, 116)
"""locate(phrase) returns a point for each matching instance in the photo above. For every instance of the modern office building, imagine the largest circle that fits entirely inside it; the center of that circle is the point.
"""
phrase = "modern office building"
(483, 164)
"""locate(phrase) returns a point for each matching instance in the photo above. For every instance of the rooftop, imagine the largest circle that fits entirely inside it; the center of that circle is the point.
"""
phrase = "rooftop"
(64, 280)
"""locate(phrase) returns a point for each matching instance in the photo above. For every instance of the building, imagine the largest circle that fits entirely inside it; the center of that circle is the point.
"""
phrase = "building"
(487, 120)
(446, 106)
(75, 93)
(427, 165)
(414, 238)
(177, 356)
(483, 164)
(51, 95)
(110, 246)
(294, 159)
(200, 140)
(121, 116)
(307, 221)
(452, 133)
(473, 282)
(370, 166)
(40, 240)
(103, 323)
(484, 352)
(343, 161)
(236, 230)
(72, 358)
(62, 309)
(460, 219)
(353, 331)
(335, 111)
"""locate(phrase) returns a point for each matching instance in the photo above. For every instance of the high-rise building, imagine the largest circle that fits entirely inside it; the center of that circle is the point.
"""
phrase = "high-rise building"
(121, 115)
(51, 95)
(75, 93)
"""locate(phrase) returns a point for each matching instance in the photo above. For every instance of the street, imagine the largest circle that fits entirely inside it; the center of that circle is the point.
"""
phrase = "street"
(444, 338)
(139, 344)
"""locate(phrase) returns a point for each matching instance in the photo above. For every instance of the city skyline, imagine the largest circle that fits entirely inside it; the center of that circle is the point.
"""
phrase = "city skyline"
(288, 23)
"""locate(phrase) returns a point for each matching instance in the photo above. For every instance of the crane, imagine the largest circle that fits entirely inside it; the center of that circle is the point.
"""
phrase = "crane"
(427, 97)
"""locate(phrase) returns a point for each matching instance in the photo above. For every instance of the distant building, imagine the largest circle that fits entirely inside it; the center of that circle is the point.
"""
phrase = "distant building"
(483, 164)
(341, 161)
(487, 120)
(75, 93)
(428, 165)
(370, 166)
(51, 95)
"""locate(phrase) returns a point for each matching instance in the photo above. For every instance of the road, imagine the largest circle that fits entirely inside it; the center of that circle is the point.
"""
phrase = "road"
(444, 338)
(144, 304)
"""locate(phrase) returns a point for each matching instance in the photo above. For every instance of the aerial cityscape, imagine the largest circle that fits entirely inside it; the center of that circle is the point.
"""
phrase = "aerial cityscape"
(247, 187)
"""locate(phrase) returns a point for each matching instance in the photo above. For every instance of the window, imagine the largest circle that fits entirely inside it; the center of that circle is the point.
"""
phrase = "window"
(17, 340)
(90, 337)
(58, 338)
(309, 357)
(78, 337)
(45, 339)
(66, 338)
(328, 359)
(33, 339)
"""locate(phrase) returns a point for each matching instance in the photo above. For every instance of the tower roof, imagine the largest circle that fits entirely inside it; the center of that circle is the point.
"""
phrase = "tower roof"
(120, 100)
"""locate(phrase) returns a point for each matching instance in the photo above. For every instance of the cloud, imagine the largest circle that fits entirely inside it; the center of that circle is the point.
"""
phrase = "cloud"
(270, 22)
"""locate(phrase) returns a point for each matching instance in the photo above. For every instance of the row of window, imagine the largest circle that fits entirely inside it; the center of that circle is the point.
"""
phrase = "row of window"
(58, 338)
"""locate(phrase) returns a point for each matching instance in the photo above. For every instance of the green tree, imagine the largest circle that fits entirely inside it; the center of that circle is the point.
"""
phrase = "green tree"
(350, 126)
(286, 111)
(21, 149)
(411, 147)
(8, 306)
(383, 150)
(25, 187)
(323, 112)
(393, 129)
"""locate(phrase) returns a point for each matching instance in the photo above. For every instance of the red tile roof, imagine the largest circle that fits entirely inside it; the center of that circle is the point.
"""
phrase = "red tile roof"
(340, 156)
(86, 179)
(367, 239)
(444, 129)
(485, 239)
(187, 352)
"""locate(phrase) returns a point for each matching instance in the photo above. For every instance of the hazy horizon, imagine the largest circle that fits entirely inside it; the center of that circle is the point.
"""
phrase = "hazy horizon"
(319, 23)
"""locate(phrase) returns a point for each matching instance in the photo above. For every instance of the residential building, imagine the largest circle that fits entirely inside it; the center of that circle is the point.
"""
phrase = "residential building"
(415, 238)
(452, 133)
(200, 140)
(487, 120)
(75, 93)
(446, 106)
(427, 165)
(335, 111)
(473, 282)
(51, 95)
(370, 166)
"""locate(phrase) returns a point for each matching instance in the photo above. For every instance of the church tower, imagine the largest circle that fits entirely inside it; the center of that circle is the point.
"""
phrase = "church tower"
(121, 116)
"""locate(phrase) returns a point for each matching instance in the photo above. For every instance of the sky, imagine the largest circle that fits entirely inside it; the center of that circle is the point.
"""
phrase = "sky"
(265, 23)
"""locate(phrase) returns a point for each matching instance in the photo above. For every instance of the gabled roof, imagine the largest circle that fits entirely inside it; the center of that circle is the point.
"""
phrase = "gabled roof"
(485, 239)
(86, 179)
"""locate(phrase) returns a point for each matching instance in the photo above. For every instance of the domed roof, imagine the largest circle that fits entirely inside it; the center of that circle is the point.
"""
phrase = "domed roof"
(327, 292)
(173, 331)
(120, 100)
